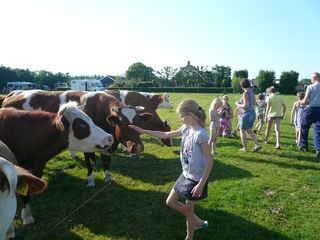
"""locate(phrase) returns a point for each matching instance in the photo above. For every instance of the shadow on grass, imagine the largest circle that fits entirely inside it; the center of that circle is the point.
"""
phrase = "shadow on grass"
(161, 171)
(122, 213)
(273, 160)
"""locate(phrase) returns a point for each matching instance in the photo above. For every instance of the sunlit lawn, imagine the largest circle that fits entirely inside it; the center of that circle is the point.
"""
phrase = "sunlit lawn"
(272, 194)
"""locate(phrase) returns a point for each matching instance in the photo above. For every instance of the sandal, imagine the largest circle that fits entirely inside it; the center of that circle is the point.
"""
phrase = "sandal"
(257, 148)
(202, 226)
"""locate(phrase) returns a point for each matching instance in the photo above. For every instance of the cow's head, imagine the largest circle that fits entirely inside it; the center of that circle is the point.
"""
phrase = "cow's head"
(8, 201)
(14, 179)
(123, 116)
(84, 135)
(165, 103)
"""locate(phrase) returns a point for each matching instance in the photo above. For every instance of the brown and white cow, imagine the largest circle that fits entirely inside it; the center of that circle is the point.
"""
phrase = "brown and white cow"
(37, 136)
(13, 179)
(105, 110)
(137, 99)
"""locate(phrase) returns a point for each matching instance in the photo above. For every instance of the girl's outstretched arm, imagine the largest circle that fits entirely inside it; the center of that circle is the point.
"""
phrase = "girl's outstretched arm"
(159, 134)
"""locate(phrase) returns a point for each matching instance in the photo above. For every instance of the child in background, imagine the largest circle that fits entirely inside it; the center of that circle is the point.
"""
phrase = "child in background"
(214, 116)
(226, 117)
(196, 162)
(260, 111)
(296, 115)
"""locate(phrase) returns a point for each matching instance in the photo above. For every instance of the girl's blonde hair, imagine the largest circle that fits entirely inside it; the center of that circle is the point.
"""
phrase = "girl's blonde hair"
(191, 106)
(216, 101)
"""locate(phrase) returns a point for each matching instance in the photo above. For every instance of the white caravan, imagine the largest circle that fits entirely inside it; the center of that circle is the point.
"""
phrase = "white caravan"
(86, 85)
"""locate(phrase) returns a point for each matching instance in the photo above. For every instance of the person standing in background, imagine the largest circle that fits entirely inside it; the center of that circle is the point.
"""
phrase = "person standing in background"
(248, 115)
(296, 115)
(311, 114)
(260, 112)
(275, 111)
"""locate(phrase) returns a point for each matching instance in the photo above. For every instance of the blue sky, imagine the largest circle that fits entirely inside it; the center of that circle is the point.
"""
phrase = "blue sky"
(107, 36)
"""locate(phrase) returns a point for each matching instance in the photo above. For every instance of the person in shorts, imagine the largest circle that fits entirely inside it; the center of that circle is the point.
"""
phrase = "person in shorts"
(248, 115)
(275, 110)
(196, 162)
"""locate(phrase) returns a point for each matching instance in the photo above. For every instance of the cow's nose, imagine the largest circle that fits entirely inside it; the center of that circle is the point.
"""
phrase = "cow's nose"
(136, 148)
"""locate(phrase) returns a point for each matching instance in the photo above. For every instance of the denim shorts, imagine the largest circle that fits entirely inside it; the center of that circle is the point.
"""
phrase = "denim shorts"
(247, 119)
(183, 187)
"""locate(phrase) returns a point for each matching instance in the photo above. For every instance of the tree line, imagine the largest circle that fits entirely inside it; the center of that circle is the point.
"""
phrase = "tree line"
(140, 75)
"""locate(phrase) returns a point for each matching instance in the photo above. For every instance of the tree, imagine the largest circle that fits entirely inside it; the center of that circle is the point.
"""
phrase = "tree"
(288, 82)
(265, 79)
(166, 74)
(221, 73)
(305, 81)
(236, 77)
(140, 73)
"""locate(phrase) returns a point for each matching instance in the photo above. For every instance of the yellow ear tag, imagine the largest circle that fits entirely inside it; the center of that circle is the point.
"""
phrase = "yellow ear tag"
(23, 189)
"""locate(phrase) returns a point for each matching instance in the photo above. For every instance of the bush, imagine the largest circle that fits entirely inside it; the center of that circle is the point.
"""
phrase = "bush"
(176, 89)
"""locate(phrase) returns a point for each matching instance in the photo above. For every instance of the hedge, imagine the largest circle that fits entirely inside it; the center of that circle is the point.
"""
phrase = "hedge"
(176, 89)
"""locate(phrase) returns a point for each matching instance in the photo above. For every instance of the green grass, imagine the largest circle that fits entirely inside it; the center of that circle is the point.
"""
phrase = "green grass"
(266, 195)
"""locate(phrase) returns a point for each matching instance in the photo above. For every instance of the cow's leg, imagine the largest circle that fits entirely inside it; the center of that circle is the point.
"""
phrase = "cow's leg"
(26, 213)
(73, 154)
(90, 161)
(106, 159)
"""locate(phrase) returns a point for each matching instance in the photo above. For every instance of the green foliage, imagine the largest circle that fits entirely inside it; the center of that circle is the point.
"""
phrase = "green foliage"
(176, 89)
(140, 72)
(265, 79)
(288, 82)
(306, 81)
(40, 77)
(222, 76)
(236, 77)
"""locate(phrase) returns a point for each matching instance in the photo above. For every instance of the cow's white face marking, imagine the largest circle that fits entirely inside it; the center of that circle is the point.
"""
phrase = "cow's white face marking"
(123, 94)
(63, 97)
(97, 137)
(129, 113)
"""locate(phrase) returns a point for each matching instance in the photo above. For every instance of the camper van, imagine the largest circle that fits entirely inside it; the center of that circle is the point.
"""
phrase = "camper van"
(86, 85)
(21, 86)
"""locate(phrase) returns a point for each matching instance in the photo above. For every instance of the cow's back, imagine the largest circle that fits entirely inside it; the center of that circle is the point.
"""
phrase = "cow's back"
(48, 101)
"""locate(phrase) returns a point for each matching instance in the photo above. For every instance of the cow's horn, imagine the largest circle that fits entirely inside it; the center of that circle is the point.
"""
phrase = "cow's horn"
(139, 108)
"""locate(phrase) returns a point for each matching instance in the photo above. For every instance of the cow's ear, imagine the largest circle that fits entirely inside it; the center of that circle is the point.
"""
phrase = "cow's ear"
(8, 176)
(145, 117)
(28, 184)
(58, 123)
(61, 112)
(113, 120)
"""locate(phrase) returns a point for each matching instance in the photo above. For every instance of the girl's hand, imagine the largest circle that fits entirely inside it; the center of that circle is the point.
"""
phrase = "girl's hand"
(136, 128)
(197, 190)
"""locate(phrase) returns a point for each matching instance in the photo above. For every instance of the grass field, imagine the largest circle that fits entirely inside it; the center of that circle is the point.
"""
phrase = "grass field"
(272, 194)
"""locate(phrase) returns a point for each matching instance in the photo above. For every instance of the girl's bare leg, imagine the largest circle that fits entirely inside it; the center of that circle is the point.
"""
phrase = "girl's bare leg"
(277, 130)
(268, 128)
(243, 136)
(253, 136)
(191, 220)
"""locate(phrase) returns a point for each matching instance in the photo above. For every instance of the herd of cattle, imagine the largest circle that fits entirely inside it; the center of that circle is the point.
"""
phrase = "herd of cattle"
(37, 125)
